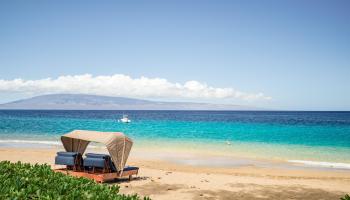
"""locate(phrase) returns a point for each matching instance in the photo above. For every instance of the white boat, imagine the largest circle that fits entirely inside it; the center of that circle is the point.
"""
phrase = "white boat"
(125, 119)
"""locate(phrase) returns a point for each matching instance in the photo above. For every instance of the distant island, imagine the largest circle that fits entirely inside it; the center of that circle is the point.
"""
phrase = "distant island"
(95, 102)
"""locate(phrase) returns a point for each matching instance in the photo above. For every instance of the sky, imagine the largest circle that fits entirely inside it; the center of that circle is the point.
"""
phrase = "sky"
(290, 54)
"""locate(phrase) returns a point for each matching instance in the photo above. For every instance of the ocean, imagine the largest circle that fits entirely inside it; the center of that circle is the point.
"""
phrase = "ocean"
(311, 138)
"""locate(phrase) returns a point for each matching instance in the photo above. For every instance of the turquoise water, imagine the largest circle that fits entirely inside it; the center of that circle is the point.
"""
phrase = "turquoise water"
(316, 136)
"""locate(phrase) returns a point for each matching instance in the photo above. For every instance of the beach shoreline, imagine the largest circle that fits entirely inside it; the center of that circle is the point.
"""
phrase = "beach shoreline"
(164, 179)
(206, 155)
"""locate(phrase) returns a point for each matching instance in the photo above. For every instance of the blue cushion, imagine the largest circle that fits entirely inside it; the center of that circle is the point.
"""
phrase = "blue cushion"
(64, 160)
(128, 168)
(94, 162)
(96, 155)
(68, 154)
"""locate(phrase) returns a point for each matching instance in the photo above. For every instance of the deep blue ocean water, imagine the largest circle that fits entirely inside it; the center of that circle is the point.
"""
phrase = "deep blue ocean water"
(319, 132)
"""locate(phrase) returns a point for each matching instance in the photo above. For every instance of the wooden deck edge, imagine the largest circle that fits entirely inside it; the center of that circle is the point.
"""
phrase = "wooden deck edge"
(99, 177)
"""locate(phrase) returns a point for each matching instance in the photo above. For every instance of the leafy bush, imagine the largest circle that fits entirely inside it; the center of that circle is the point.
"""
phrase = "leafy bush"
(346, 197)
(25, 181)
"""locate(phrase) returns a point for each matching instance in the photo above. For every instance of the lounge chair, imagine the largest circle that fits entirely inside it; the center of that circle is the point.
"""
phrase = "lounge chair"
(104, 163)
(72, 160)
(100, 161)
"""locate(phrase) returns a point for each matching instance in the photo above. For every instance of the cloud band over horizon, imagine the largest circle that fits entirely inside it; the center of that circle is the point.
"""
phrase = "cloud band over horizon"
(123, 85)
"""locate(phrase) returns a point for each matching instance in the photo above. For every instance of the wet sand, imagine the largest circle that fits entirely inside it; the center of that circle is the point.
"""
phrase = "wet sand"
(165, 179)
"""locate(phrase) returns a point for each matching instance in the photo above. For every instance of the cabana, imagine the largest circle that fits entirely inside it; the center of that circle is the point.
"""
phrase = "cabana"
(117, 144)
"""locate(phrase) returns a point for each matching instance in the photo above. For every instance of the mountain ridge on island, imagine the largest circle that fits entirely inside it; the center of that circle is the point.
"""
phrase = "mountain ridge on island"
(97, 102)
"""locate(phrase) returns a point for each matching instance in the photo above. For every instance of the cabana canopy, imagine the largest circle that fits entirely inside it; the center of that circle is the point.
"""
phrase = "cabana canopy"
(118, 145)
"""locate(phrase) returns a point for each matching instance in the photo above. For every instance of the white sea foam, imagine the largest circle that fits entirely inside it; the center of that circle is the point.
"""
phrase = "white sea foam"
(31, 142)
(41, 142)
(322, 164)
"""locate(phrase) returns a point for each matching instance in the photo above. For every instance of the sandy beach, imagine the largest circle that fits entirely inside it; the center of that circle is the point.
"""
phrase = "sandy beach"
(165, 180)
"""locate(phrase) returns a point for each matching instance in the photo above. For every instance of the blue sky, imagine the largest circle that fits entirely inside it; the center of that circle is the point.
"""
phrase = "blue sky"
(296, 52)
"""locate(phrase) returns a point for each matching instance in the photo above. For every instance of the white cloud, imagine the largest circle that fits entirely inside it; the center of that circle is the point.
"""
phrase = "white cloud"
(122, 85)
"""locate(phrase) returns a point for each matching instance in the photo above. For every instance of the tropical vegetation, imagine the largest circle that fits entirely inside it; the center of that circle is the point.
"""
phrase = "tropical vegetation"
(26, 181)
(346, 197)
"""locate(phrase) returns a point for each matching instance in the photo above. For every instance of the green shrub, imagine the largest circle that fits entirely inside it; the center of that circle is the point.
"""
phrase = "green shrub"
(25, 181)
(346, 197)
